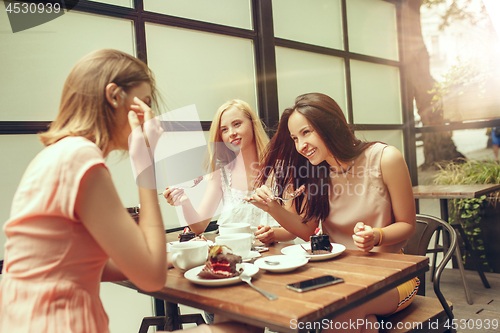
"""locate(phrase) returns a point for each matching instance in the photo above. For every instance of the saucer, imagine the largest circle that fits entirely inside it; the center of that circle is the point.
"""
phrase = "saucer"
(252, 255)
(169, 244)
(283, 263)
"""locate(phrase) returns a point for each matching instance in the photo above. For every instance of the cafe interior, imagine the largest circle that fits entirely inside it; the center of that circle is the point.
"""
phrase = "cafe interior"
(203, 53)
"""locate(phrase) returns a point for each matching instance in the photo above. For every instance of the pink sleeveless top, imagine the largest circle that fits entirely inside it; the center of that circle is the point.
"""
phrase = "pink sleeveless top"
(53, 266)
(360, 195)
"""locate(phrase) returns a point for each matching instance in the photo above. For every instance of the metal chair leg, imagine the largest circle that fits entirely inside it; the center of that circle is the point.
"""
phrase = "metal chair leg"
(472, 254)
(458, 255)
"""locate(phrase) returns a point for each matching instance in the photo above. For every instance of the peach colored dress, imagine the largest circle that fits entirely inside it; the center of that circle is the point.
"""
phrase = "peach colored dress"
(360, 195)
(52, 266)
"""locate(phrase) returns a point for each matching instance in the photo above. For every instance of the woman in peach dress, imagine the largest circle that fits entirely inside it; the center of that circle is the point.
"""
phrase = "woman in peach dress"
(68, 229)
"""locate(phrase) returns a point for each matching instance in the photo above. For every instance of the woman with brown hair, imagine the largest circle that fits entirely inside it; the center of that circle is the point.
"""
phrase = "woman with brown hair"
(68, 229)
(237, 143)
(359, 191)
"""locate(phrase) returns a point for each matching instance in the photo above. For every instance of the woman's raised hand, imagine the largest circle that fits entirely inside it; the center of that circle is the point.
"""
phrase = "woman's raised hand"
(146, 131)
(175, 196)
(261, 197)
(364, 237)
(152, 128)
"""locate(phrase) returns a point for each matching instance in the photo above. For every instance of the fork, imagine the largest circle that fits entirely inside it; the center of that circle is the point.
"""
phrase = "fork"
(295, 194)
(195, 183)
(267, 294)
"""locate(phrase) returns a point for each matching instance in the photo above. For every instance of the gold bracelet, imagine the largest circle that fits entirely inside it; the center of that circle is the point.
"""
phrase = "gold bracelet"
(381, 238)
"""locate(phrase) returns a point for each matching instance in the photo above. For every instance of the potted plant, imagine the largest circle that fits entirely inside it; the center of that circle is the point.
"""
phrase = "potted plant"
(479, 217)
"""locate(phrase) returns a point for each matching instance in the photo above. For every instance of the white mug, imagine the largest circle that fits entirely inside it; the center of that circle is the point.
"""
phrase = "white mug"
(235, 228)
(187, 255)
(240, 244)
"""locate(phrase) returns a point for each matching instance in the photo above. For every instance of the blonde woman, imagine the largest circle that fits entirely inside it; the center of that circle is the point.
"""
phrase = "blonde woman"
(68, 229)
(239, 141)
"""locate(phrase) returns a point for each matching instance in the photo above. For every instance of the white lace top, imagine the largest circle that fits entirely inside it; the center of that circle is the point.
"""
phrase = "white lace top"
(235, 209)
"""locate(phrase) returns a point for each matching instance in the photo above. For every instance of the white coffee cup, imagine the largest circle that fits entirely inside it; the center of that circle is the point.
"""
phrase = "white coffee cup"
(235, 228)
(187, 255)
(240, 244)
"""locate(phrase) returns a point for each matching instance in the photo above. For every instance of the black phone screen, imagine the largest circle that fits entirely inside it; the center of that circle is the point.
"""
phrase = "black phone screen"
(314, 283)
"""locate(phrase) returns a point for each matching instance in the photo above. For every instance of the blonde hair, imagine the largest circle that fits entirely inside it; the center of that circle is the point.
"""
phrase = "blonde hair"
(84, 110)
(220, 154)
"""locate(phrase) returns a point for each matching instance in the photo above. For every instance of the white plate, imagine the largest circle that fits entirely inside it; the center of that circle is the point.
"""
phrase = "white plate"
(286, 263)
(298, 250)
(192, 275)
(169, 244)
(252, 255)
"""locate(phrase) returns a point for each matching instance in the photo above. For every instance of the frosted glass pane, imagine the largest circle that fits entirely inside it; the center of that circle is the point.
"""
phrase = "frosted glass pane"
(123, 3)
(376, 93)
(226, 12)
(372, 28)
(121, 172)
(36, 62)
(201, 68)
(300, 72)
(392, 138)
(317, 22)
(17, 151)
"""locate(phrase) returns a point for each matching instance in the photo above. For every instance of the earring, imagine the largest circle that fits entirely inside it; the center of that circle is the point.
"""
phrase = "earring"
(115, 104)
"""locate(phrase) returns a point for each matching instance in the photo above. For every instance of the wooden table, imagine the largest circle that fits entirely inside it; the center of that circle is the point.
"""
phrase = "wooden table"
(366, 276)
(444, 193)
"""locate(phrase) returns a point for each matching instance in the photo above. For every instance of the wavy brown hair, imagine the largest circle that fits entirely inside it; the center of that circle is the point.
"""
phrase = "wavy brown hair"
(289, 168)
(84, 110)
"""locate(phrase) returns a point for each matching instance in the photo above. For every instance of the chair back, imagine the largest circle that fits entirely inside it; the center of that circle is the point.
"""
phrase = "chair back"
(426, 226)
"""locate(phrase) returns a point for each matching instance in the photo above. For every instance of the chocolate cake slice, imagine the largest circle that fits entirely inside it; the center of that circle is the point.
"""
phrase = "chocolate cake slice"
(221, 264)
(320, 244)
(186, 235)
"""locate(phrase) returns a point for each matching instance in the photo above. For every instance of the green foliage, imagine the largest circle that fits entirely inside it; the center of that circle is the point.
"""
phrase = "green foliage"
(468, 172)
(468, 211)
(459, 78)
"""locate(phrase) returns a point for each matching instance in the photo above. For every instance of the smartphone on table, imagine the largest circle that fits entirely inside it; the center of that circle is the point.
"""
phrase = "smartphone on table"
(315, 283)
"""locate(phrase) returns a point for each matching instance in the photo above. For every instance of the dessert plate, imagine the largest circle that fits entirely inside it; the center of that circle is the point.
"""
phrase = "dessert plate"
(298, 249)
(281, 263)
(192, 275)
(169, 244)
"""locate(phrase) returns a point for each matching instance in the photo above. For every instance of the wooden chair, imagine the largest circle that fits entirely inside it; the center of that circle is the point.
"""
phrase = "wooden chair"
(434, 314)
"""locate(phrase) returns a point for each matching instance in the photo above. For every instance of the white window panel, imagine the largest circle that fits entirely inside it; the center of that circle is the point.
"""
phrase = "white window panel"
(201, 68)
(17, 151)
(300, 72)
(376, 93)
(391, 137)
(372, 28)
(225, 12)
(317, 22)
(36, 62)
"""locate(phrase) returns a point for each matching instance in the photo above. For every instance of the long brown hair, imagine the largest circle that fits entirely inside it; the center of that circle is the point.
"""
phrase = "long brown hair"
(84, 110)
(289, 168)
